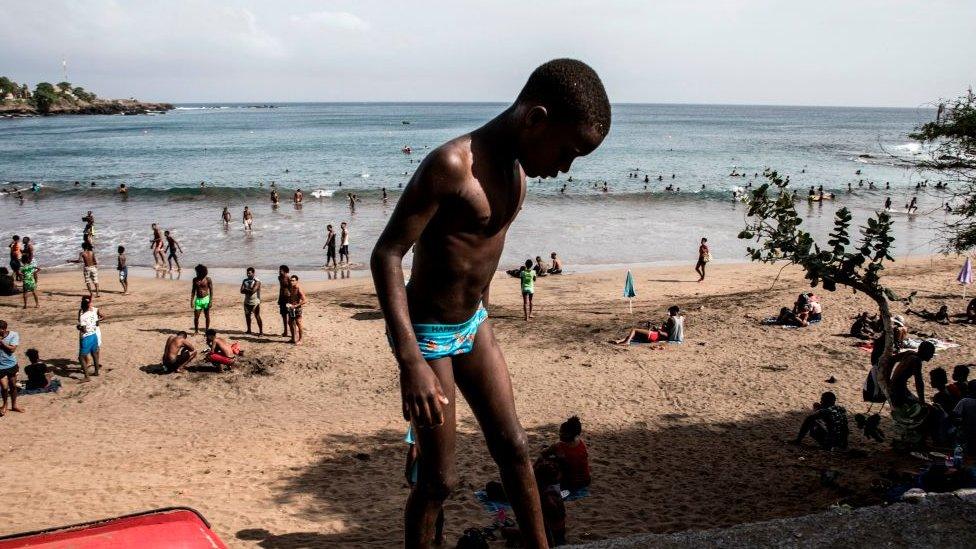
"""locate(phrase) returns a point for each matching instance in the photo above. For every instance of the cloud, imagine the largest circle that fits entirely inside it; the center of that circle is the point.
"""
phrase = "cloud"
(340, 20)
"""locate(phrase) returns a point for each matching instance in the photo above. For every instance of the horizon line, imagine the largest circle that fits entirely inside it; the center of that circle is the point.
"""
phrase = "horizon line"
(621, 103)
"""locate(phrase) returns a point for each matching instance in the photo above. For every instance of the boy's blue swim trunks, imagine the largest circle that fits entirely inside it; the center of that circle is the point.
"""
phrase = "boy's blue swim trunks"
(441, 340)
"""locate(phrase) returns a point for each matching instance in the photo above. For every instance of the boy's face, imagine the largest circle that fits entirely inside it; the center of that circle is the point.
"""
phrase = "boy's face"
(547, 147)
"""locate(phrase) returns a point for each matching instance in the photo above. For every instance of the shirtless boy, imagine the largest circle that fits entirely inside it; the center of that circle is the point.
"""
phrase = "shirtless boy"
(248, 219)
(201, 297)
(296, 300)
(225, 215)
(89, 266)
(178, 352)
(457, 209)
(172, 246)
(330, 247)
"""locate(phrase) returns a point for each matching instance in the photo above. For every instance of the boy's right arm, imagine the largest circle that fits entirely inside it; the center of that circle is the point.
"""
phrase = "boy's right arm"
(421, 392)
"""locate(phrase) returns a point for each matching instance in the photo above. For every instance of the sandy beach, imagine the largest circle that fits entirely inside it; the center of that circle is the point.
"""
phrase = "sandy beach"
(303, 446)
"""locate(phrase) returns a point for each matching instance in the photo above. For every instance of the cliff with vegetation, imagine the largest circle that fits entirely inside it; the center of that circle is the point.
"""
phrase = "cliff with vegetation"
(18, 100)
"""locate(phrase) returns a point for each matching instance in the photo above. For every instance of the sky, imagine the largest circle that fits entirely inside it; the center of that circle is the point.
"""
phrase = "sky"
(830, 52)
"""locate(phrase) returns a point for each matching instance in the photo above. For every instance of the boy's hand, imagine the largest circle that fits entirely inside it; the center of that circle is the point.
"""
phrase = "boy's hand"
(423, 397)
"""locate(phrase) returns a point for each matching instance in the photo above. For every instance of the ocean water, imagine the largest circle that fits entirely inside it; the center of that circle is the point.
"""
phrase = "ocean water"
(338, 148)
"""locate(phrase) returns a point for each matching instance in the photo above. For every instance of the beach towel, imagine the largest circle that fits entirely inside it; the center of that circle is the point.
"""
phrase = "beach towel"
(771, 321)
(52, 387)
(489, 505)
(940, 345)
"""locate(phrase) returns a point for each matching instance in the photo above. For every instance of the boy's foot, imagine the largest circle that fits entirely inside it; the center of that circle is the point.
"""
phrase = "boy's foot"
(17, 409)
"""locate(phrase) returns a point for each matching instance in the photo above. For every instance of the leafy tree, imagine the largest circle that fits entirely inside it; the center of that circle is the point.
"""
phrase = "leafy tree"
(772, 222)
(7, 86)
(951, 139)
(44, 97)
(80, 93)
(64, 86)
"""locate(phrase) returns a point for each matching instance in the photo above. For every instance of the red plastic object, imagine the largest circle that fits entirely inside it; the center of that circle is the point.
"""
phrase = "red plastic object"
(171, 528)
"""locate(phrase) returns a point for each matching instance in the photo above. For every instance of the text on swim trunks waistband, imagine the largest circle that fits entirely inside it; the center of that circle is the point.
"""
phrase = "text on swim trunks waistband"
(442, 328)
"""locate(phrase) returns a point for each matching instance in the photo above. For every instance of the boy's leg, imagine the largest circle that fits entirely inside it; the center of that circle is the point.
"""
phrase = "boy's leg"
(525, 305)
(247, 319)
(482, 376)
(95, 361)
(257, 317)
(196, 320)
(530, 304)
(436, 475)
(206, 317)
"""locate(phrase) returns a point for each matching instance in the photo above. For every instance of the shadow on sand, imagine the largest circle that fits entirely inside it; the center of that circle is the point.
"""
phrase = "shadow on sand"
(675, 476)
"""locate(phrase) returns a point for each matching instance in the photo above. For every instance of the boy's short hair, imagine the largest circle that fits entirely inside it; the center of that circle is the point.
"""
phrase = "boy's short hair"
(210, 332)
(201, 270)
(250, 270)
(33, 355)
(571, 91)
(294, 277)
(121, 249)
(283, 268)
(182, 333)
(528, 263)
(673, 310)
(828, 399)
(960, 373)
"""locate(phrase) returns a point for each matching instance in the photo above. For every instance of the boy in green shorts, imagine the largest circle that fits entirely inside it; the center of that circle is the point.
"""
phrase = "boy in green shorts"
(455, 213)
(527, 277)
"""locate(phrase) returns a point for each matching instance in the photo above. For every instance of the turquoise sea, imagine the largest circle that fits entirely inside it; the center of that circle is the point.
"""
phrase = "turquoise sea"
(331, 149)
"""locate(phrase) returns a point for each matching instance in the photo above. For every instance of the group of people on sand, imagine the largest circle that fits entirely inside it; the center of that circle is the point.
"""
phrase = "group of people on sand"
(39, 375)
(806, 310)
(179, 350)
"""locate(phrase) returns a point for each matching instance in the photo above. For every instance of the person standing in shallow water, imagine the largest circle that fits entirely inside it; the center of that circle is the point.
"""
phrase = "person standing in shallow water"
(704, 256)
(457, 209)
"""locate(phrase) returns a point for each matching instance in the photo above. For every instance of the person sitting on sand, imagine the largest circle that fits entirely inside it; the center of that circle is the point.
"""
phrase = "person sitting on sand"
(557, 265)
(862, 327)
(7, 285)
(939, 381)
(37, 373)
(959, 388)
(571, 454)
(965, 414)
(814, 310)
(672, 331)
(787, 317)
(540, 267)
(551, 501)
(827, 425)
(222, 352)
(971, 311)
(178, 352)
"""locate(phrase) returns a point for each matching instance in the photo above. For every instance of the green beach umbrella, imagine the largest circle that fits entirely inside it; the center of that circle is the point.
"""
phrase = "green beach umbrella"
(629, 292)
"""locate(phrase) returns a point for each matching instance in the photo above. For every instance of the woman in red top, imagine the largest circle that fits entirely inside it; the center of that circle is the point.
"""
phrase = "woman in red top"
(571, 453)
